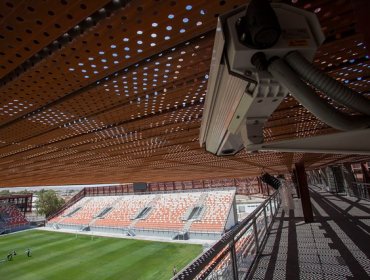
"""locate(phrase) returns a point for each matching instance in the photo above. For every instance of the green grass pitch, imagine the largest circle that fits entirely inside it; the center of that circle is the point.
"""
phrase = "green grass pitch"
(64, 256)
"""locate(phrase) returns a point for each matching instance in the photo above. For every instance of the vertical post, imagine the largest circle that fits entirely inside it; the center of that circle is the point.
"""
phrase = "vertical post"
(30, 204)
(349, 177)
(275, 203)
(305, 194)
(345, 182)
(25, 207)
(255, 232)
(265, 216)
(271, 212)
(234, 260)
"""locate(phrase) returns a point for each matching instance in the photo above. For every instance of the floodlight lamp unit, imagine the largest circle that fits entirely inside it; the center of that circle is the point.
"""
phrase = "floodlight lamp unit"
(241, 93)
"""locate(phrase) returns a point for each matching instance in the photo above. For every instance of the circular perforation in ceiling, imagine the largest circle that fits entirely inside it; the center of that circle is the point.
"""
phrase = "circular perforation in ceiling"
(178, 65)
(110, 46)
(28, 26)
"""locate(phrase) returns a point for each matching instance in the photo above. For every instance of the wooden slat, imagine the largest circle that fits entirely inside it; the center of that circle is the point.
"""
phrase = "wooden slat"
(119, 105)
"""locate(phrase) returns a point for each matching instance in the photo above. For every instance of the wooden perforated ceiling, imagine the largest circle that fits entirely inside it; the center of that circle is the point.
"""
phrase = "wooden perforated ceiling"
(122, 100)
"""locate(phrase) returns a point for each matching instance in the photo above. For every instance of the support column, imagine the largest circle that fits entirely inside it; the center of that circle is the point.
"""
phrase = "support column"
(304, 192)
(260, 190)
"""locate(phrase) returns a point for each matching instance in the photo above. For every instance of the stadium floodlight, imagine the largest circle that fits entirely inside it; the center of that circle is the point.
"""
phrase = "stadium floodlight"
(247, 78)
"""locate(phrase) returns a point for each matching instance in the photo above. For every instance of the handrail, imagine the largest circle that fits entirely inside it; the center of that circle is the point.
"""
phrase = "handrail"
(363, 184)
(195, 269)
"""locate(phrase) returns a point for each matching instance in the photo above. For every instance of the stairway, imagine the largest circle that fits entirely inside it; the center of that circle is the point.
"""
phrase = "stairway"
(150, 204)
(199, 203)
(97, 216)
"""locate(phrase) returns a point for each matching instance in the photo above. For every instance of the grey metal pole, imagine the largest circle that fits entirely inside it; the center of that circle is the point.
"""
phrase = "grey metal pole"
(234, 260)
(255, 235)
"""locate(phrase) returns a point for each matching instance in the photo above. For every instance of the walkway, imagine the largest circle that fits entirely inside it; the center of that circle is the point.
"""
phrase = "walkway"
(335, 246)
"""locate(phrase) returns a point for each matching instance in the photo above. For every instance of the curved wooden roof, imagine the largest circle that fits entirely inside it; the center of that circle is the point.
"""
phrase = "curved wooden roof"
(113, 91)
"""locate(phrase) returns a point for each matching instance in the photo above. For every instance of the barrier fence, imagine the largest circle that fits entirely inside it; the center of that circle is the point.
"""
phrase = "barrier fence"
(360, 190)
(233, 256)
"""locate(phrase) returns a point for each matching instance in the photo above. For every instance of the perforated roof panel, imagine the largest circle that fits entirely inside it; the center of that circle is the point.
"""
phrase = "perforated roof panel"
(113, 91)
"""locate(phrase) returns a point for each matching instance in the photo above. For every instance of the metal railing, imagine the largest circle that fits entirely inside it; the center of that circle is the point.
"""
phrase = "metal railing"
(360, 190)
(233, 256)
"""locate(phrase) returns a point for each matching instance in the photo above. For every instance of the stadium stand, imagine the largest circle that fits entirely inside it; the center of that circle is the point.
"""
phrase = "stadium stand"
(11, 218)
(167, 213)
